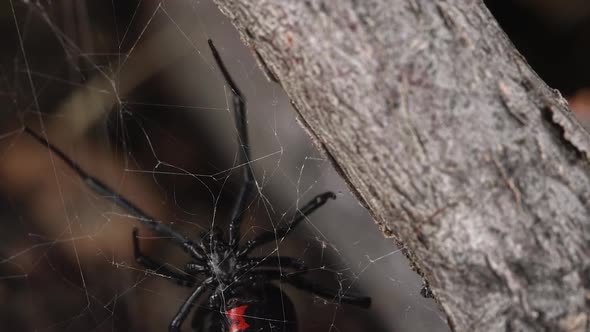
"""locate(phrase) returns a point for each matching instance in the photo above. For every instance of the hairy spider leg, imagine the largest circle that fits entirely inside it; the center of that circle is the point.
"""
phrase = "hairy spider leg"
(102, 189)
(187, 305)
(274, 262)
(296, 280)
(239, 106)
(151, 264)
(195, 268)
(283, 230)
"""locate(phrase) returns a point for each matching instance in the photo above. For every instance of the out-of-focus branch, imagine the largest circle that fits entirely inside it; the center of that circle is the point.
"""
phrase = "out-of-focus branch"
(103, 92)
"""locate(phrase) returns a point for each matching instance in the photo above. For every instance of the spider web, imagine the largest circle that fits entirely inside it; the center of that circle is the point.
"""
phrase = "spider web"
(129, 90)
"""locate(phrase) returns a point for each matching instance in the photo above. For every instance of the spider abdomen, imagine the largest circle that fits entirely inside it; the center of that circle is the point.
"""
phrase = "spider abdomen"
(252, 309)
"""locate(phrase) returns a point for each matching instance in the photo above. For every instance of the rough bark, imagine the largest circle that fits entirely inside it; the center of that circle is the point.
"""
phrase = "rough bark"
(459, 150)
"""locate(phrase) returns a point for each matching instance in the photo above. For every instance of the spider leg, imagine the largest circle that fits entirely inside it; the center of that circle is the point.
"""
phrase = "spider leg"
(147, 262)
(275, 262)
(283, 230)
(102, 189)
(195, 268)
(187, 305)
(239, 105)
(296, 280)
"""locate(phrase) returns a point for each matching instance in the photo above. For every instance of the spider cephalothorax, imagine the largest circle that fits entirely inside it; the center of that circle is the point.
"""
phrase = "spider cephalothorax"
(242, 294)
(222, 261)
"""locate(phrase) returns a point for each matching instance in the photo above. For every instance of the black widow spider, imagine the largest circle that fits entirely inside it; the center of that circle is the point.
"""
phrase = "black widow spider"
(242, 296)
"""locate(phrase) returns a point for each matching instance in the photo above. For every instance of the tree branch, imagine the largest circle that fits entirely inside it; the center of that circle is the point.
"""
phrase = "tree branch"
(454, 144)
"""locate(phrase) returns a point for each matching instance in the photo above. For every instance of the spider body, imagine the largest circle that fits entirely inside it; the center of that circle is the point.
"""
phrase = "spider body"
(242, 296)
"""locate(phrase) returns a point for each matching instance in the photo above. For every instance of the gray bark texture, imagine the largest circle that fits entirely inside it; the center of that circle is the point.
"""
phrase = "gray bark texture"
(458, 149)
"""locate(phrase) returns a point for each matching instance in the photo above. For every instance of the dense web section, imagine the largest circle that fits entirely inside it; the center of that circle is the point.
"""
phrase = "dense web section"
(130, 92)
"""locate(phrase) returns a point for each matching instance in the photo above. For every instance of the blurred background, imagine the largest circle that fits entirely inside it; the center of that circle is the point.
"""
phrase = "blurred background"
(128, 89)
